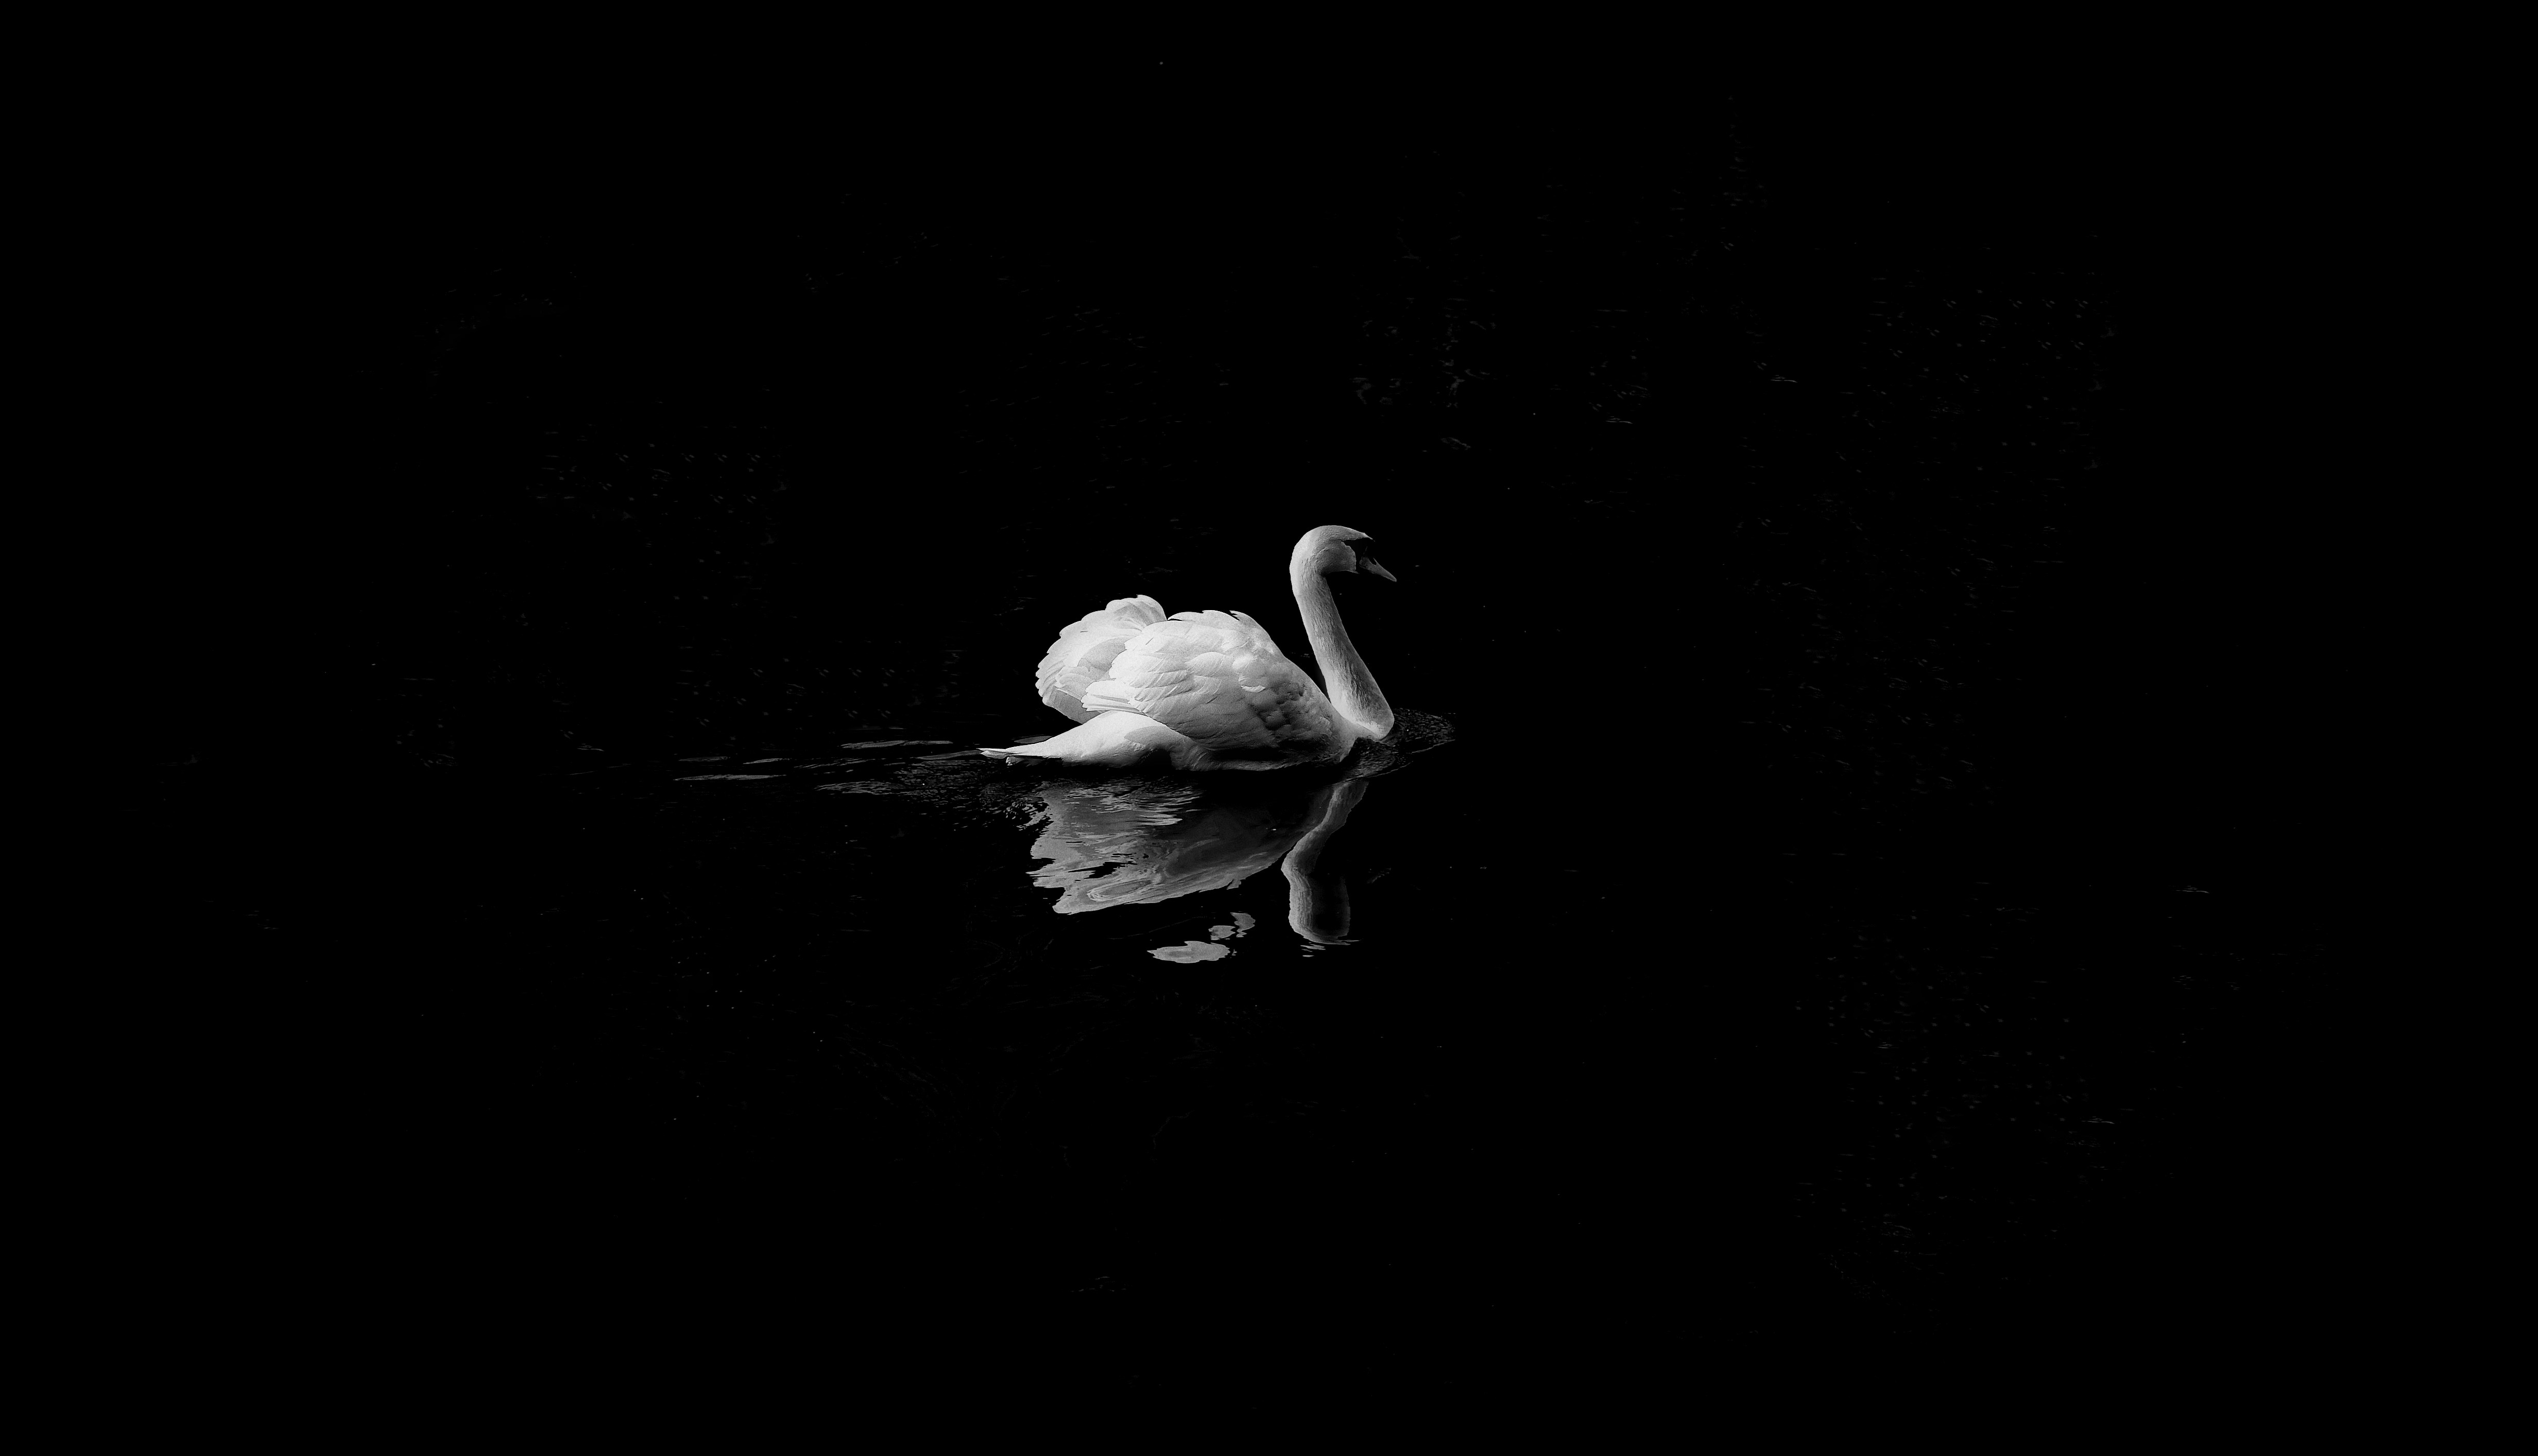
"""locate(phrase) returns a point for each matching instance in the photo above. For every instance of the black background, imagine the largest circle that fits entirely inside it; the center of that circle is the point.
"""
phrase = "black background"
(1836, 531)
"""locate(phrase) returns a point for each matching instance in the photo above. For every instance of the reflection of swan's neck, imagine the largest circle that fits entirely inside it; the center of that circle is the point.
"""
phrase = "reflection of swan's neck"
(1351, 686)
(1317, 905)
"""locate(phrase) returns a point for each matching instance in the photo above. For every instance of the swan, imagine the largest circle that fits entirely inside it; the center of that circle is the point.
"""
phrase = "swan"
(1210, 690)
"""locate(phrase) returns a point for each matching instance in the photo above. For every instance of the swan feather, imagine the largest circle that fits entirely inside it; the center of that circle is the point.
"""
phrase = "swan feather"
(1083, 653)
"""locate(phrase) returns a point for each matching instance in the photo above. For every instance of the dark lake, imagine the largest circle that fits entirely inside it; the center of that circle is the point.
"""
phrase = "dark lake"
(1828, 906)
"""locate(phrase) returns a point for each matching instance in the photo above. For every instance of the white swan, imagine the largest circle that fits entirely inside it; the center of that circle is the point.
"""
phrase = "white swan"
(1210, 690)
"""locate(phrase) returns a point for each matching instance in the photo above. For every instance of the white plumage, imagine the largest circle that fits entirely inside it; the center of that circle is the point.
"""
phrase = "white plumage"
(1210, 690)
(1083, 653)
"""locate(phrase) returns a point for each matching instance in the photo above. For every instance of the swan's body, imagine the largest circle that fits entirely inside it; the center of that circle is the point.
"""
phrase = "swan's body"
(1210, 690)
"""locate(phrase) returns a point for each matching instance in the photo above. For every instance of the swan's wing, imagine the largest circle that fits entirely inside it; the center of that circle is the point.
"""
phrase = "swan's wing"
(1083, 653)
(1217, 677)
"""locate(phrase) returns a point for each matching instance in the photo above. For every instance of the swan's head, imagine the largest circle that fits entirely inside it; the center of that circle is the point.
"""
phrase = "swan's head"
(1329, 548)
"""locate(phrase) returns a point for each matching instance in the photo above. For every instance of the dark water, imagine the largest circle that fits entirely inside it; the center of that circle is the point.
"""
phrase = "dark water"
(1834, 911)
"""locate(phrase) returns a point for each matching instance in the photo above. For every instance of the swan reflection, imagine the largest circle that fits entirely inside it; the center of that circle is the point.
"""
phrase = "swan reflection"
(1130, 844)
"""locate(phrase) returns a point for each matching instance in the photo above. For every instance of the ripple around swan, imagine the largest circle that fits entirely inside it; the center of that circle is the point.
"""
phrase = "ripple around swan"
(1099, 844)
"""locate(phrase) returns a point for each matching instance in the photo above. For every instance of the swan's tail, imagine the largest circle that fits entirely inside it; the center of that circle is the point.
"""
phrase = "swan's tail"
(1108, 739)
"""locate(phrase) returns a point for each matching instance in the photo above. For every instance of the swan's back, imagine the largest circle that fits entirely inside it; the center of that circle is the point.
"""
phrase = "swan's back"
(1219, 679)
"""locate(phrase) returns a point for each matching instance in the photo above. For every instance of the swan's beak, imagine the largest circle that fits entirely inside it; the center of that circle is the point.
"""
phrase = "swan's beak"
(1367, 563)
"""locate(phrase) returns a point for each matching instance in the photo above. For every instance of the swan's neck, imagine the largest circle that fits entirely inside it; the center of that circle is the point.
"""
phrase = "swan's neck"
(1344, 676)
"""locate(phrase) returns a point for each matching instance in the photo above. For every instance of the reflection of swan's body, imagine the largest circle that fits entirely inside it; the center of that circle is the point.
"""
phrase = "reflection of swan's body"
(1164, 840)
(1210, 690)
(1159, 841)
